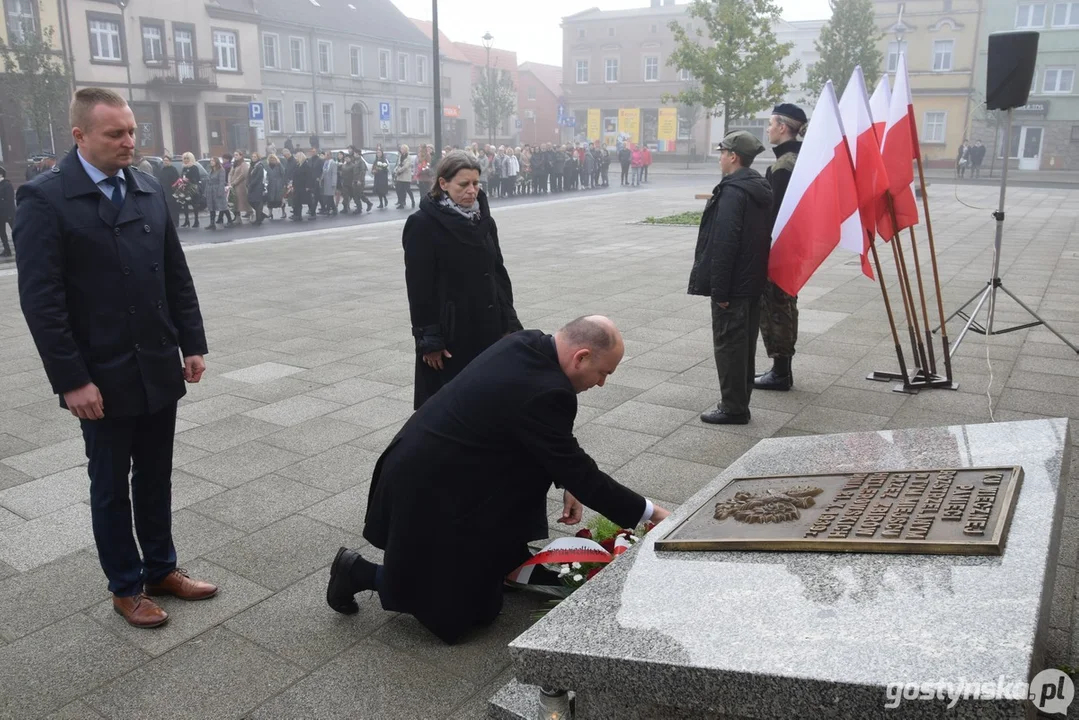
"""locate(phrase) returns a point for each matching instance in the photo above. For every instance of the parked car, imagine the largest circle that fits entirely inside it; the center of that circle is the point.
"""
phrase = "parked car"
(391, 158)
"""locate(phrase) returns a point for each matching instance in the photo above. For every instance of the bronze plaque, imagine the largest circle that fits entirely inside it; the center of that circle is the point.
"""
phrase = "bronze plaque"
(963, 511)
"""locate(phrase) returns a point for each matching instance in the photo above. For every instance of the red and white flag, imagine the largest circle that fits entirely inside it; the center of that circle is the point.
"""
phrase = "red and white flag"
(899, 148)
(879, 104)
(869, 173)
(821, 204)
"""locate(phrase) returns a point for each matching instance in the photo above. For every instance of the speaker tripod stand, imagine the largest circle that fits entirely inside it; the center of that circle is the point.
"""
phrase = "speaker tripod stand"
(996, 283)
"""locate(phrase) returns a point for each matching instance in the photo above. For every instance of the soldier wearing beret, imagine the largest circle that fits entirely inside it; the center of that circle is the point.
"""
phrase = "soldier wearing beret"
(779, 311)
(730, 265)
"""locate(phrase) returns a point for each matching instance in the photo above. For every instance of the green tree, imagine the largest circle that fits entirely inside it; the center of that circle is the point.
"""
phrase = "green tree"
(731, 51)
(37, 75)
(493, 100)
(848, 39)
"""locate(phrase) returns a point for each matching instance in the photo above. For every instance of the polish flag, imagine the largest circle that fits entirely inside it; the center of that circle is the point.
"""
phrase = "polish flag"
(869, 173)
(821, 204)
(899, 148)
(878, 107)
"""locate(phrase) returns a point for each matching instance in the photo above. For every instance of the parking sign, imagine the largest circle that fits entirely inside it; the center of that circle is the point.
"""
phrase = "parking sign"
(384, 111)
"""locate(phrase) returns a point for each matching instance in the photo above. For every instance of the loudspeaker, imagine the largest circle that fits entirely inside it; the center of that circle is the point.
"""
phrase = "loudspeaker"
(1010, 69)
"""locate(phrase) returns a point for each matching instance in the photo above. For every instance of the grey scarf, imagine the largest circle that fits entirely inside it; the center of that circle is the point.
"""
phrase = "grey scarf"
(472, 213)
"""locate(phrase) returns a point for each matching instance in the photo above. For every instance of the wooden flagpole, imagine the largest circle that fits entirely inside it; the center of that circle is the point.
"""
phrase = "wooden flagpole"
(888, 309)
(936, 277)
(925, 312)
(904, 279)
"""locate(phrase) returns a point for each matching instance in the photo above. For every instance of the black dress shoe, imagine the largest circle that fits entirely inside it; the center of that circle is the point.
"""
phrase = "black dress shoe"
(338, 596)
(772, 380)
(717, 416)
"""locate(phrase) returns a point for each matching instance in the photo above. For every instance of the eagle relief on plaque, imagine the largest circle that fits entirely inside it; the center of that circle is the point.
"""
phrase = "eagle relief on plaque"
(964, 511)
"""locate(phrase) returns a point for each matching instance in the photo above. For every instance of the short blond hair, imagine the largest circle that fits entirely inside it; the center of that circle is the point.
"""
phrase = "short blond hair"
(84, 102)
(188, 158)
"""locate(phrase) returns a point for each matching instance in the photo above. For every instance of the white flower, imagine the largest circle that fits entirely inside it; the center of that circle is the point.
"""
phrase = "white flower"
(576, 566)
(564, 570)
(578, 577)
(634, 538)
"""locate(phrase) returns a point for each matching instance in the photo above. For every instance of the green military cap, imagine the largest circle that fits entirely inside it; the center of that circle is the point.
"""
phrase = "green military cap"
(743, 143)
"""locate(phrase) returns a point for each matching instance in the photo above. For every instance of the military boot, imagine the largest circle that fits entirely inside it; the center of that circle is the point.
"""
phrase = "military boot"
(778, 378)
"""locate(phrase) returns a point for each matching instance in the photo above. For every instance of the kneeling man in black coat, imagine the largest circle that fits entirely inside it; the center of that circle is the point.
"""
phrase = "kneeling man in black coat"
(471, 470)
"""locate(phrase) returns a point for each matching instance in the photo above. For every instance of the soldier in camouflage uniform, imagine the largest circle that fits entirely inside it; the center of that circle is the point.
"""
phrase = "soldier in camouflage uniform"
(779, 311)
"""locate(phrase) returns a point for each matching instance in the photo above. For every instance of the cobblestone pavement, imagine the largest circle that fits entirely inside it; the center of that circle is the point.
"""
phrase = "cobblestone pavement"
(309, 377)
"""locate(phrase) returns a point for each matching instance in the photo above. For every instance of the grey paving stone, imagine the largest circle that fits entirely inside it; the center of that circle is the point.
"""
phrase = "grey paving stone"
(704, 445)
(315, 436)
(182, 453)
(7, 571)
(224, 434)
(188, 489)
(685, 397)
(187, 620)
(353, 390)
(218, 675)
(335, 469)
(1036, 381)
(9, 519)
(262, 372)
(275, 390)
(47, 670)
(10, 477)
(665, 478)
(399, 374)
(646, 418)
(375, 413)
(48, 494)
(346, 510)
(662, 360)
(11, 445)
(639, 378)
(215, 408)
(829, 420)
(49, 459)
(365, 682)
(293, 410)
(763, 422)
(77, 710)
(242, 464)
(195, 535)
(378, 441)
(613, 446)
(331, 373)
(607, 397)
(280, 554)
(46, 538)
(912, 417)
(259, 502)
(296, 624)
(856, 400)
(31, 600)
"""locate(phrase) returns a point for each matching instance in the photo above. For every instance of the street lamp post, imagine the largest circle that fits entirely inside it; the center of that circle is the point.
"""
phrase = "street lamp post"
(487, 42)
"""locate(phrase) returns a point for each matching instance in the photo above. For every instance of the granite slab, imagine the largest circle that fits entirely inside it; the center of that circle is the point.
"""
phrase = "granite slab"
(797, 635)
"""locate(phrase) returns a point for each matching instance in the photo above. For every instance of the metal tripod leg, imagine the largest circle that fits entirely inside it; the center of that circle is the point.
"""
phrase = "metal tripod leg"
(982, 297)
(961, 309)
(1037, 317)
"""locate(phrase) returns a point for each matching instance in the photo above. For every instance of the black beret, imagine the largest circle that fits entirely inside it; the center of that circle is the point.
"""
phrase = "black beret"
(792, 111)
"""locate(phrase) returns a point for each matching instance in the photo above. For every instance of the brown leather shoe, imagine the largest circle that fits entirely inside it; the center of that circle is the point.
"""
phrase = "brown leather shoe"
(178, 584)
(139, 611)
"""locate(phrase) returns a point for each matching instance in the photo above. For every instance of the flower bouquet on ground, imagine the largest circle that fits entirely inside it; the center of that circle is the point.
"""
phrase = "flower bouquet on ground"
(568, 563)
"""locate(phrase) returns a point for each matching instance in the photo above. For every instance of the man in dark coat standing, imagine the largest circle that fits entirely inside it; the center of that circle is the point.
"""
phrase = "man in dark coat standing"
(256, 187)
(111, 306)
(471, 470)
(730, 265)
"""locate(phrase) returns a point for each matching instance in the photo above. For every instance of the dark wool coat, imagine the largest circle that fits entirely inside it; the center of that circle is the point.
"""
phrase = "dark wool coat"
(469, 474)
(734, 240)
(459, 293)
(106, 291)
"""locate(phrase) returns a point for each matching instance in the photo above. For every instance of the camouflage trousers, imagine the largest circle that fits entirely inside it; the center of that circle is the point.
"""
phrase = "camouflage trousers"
(779, 321)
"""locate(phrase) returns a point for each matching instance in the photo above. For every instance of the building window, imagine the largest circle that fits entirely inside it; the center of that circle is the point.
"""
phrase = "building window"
(894, 50)
(1030, 16)
(327, 118)
(610, 66)
(355, 57)
(421, 69)
(1075, 133)
(296, 52)
(582, 72)
(421, 119)
(655, 29)
(271, 56)
(402, 67)
(383, 64)
(651, 68)
(1058, 80)
(183, 46)
(153, 44)
(225, 50)
(580, 34)
(299, 111)
(1066, 14)
(446, 91)
(531, 92)
(21, 19)
(105, 41)
(933, 128)
(684, 75)
(610, 32)
(685, 129)
(942, 55)
(273, 115)
(405, 120)
(325, 57)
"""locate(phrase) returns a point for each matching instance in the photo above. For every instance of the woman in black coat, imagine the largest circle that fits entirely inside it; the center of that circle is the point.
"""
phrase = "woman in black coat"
(459, 294)
(301, 178)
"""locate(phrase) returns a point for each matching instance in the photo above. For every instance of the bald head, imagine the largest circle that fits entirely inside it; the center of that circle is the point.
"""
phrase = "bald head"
(589, 349)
